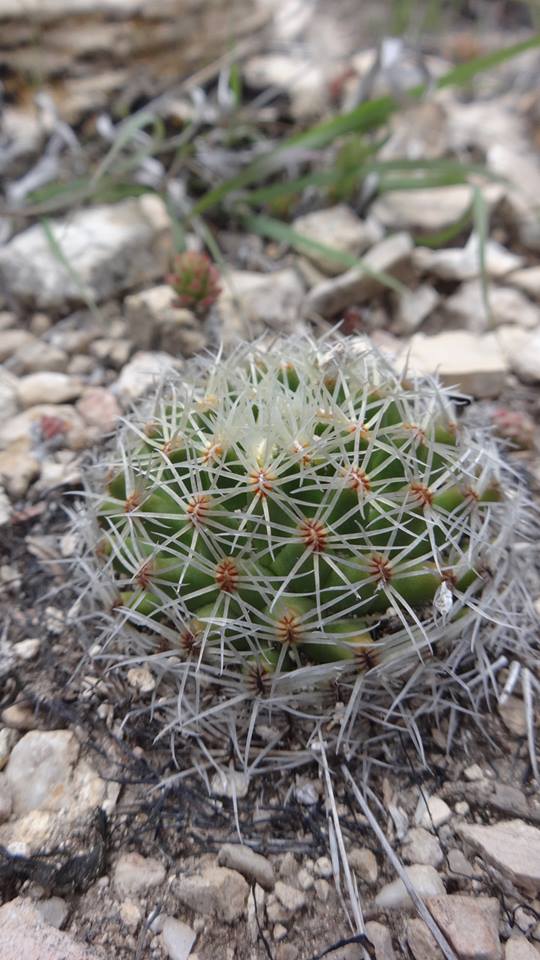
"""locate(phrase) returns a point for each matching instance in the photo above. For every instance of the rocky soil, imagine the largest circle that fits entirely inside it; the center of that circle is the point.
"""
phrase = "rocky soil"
(97, 858)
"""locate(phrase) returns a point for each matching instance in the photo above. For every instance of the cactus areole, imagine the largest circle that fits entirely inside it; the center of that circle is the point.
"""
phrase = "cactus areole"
(300, 536)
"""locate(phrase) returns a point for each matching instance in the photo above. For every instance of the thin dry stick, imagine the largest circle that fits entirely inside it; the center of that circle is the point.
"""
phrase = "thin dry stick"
(351, 886)
(421, 908)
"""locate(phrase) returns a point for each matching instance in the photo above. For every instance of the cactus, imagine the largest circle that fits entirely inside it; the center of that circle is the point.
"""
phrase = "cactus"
(195, 281)
(304, 533)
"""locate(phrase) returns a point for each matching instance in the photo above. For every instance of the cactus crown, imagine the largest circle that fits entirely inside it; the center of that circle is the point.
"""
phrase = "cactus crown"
(305, 533)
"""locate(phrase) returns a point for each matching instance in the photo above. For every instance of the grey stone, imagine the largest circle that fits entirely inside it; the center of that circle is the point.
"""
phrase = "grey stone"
(337, 227)
(177, 938)
(7, 320)
(421, 942)
(322, 889)
(302, 78)
(506, 306)
(18, 468)
(527, 280)
(422, 847)
(143, 370)
(8, 739)
(54, 911)
(471, 925)
(135, 875)
(458, 864)
(512, 846)
(216, 892)
(40, 768)
(474, 364)
(47, 386)
(520, 949)
(229, 783)
(381, 938)
(23, 933)
(111, 351)
(512, 714)
(522, 350)
(253, 866)
(428, 210)
(8, 393)
(464, 263)
(27, 426)
(289, 897)
(415, 306)
(364, 864)
(5, 509)
(156, 324)
(38, 357)
(251, 302)
(99, 408)
(27, 649)
(18, 716)
(392, 256)
(323, 867)
(6, 798)
(131, 916)
(111, 248)
(13, 340)
(425, 880)
(432, 812)
(20, 137)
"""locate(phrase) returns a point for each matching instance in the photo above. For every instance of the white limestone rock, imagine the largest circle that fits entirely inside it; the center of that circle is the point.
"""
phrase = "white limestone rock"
(337, 227)
(472, 363)
(111, 248)
(506, 306)
(426, 881)
(250, 303)
(391, 256)
(134, 875)
(155, 323)
(512, 846)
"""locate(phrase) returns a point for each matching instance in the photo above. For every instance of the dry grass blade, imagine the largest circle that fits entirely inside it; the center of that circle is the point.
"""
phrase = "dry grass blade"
(421, 908)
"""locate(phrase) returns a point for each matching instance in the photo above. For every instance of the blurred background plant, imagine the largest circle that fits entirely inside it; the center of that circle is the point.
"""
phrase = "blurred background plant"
(236, 144)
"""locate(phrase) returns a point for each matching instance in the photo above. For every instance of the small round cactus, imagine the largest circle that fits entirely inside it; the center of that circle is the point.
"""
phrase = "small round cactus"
(195, 281)
(300, 533)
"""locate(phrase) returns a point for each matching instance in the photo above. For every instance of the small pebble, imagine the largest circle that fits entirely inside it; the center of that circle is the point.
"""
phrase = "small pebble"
(304, 879)
(54, 620)
(322, 889)
(27, 649)
(364, 863)
(474, 772)
(177, 938)
(141, 679)
(289, 897)
(19, 716)
(130, 914)
(435, 815)
(323, 867)
(54, 911)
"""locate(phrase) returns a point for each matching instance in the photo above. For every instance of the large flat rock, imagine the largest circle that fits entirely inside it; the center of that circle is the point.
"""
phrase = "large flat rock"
(104, 250)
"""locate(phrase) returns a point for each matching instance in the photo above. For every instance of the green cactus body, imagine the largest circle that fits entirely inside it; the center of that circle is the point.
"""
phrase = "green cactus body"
(296, 517)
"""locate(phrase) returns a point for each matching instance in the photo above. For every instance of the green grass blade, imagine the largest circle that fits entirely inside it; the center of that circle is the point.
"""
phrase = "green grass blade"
(58, 252)
(367, 116)
(442, 238)
(276, 230)
(125, 135)
(481, 225)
